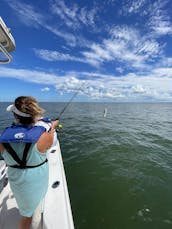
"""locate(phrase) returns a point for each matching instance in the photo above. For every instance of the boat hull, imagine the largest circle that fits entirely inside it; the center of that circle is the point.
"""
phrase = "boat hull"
(54, 211)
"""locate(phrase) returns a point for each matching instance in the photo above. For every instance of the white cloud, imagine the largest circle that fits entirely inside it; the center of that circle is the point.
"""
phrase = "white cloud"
(45, 89)
(162, 72)
(66, 14)
(135, 5)
(127, 48)
(119, 69)
(126, 45)
(139, 89)
(156, 85)
(154, 13)
(55, 55)
(26, 13)
(166, 62)
(160, 25)
(159, 20)
(68, 37)
(72, 15)
(31, 17)
(69, 85)
(30, 75)
(49, 55)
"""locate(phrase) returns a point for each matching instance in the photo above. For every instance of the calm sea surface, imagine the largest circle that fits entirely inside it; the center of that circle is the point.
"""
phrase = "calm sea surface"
(118, 167)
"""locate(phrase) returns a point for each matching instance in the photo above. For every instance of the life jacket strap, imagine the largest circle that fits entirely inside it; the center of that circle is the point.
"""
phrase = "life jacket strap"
(25, 153)
(28, 166)
(12, 152)
(21, 163)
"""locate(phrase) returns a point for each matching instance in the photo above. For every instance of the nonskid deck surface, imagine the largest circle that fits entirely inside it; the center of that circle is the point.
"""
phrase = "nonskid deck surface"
(9, 214)
(54, 211)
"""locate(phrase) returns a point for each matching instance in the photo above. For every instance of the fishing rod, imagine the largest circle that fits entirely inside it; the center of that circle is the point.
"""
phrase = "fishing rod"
(65, 107)
(68, 103)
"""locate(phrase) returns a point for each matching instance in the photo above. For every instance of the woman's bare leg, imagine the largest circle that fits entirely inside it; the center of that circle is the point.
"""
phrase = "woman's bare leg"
(25, 222)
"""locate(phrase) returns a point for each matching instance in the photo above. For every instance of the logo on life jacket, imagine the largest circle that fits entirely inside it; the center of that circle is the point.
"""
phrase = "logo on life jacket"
(19, 135)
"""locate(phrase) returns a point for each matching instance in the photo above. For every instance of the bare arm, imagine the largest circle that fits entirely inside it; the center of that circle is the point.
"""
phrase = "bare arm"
(46, 139)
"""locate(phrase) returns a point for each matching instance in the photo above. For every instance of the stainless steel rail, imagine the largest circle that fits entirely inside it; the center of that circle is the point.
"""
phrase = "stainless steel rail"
(7, 43)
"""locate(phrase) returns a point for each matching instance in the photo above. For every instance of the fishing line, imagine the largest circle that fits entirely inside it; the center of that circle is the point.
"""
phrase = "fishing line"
(65, 107)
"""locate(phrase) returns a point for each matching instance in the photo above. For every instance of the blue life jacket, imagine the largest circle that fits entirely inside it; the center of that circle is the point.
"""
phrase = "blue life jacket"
(20, 133)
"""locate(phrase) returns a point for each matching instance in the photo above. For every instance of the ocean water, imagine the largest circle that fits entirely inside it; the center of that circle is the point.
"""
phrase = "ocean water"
(118, 167)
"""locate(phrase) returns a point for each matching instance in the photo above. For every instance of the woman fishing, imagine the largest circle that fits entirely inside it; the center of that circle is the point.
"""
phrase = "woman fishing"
(23, 147)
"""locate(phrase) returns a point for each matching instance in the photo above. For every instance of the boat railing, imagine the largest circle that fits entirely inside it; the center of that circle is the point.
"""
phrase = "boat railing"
(7, 43)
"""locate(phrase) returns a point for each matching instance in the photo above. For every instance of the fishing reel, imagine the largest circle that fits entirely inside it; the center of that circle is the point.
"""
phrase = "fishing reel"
(59, 127)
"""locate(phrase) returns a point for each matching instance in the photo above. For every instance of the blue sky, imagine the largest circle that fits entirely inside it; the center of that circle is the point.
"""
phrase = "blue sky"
(112, 50)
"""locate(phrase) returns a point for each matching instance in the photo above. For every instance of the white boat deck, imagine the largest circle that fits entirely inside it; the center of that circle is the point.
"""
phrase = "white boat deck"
(54, 212)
